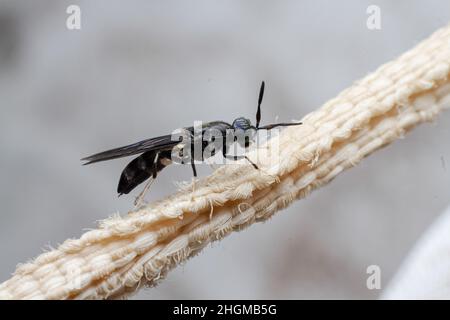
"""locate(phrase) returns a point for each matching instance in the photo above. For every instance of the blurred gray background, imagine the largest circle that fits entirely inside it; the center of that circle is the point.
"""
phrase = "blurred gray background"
(138, 69)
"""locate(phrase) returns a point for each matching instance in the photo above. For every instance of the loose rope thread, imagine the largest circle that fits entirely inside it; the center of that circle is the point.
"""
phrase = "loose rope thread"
(127, 253)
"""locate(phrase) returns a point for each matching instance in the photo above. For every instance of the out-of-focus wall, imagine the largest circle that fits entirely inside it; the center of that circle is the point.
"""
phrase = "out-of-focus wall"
(138, 69)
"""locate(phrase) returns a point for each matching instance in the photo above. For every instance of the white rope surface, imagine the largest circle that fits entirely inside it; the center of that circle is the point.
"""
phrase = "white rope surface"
(125, 253)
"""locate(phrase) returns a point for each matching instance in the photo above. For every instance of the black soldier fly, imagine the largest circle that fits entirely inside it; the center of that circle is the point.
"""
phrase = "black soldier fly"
(156, 153)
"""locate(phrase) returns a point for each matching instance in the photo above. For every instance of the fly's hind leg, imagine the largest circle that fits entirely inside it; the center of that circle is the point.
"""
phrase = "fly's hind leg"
(140, 198)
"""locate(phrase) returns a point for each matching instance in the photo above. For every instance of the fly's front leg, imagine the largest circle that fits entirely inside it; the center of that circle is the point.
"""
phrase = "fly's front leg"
(236, 158)
(252, 163)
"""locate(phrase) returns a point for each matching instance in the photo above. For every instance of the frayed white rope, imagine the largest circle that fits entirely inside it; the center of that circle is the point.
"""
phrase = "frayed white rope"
(126, 253)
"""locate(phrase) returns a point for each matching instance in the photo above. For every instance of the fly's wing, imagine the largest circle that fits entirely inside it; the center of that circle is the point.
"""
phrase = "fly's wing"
(284, 124)
(158, 143)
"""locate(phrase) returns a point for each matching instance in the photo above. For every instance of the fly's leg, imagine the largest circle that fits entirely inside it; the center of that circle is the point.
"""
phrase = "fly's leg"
(252, 163)
(140, 198)
(236, 158)
(194, 171)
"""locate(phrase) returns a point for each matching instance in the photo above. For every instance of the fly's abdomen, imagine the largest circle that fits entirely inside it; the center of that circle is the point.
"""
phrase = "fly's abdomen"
(136, 172)
(142, 168)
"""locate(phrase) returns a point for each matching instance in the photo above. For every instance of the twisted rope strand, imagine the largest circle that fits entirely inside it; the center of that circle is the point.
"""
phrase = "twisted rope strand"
(126, 253)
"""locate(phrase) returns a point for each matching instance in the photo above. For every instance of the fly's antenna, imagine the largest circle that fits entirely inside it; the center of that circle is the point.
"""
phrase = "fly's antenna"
(258, 112)
(274, 125)
(258, 115)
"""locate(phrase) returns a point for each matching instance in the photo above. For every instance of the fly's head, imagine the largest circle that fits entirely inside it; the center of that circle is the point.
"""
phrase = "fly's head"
(244, 131)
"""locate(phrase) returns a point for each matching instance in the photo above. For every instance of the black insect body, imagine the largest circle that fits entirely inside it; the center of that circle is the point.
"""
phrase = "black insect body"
(142, 168)
(156, 153)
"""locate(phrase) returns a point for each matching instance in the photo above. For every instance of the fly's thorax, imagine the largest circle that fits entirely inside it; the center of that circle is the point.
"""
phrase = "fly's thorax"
(204, 141)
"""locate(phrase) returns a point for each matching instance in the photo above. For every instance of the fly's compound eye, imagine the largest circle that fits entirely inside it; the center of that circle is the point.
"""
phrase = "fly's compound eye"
(241, 124)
